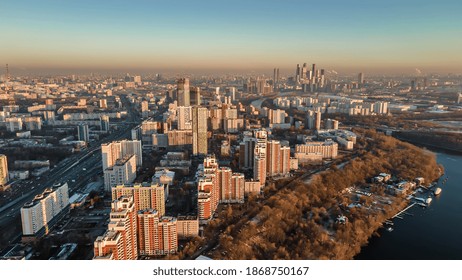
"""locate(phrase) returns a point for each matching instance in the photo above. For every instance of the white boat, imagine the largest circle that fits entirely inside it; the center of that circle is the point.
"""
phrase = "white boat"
(428, 200)
(437, 191)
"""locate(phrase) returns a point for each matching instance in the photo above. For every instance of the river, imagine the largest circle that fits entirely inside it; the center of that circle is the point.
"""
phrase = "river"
(431, 233)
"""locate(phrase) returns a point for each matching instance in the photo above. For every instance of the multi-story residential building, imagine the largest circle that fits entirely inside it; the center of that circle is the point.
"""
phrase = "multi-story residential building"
(187, 226)
(145, 195)
(199, 128)
(3, 170)
(328, 149)
(119, 242)
(156, 235)
(39, 215)
(121, 173)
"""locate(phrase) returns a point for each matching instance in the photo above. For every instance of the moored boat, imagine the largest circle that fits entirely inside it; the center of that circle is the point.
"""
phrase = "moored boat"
(437, 191)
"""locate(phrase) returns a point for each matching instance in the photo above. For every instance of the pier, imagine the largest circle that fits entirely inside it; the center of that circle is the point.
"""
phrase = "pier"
(398, 215)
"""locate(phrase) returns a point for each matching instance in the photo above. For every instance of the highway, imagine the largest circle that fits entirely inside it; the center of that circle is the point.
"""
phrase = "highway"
(77, 170)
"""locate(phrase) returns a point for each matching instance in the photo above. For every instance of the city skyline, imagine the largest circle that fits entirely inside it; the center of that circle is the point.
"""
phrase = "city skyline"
(391, 37)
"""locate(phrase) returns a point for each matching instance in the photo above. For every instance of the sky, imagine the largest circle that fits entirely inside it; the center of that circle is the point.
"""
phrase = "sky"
(249, 35)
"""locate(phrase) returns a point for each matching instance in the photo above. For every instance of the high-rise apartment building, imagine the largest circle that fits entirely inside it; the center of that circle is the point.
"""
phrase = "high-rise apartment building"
(184, 116)
(103, 103)
(156, 235)
(113, 151)
(144, 109)
(259, 169)
(236, 192)
(187, 226)
(33, 123)
(381, 107)
(39, 215)
(195, 96)
(277, 116)
(331, 124)
(204, 205)
(314, 120)
(246, 151)
(121, 173)
(199, 126)
(278, 158)
(3, 170)
(119, 242)
(145, 195)
(183, 94)
(328, 149)
(224, 183)
(13, 124)
(208, 187)
(83, 132)
(104, 123)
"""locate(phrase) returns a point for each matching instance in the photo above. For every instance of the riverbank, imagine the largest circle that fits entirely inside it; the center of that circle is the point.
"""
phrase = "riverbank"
(430, 233)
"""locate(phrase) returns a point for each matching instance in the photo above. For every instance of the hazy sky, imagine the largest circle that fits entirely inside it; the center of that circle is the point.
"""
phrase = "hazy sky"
(186, 35)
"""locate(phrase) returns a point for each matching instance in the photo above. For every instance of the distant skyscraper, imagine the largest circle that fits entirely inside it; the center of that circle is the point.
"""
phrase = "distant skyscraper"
(195, 96)
(276, 78)
(298, 74)
(199, 118)
(3, 170)
(317, 116)
(361, 78)
(83, 132)
(183, 93)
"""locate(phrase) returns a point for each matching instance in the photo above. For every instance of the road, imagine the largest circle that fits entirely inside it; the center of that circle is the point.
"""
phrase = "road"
(77, 170)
